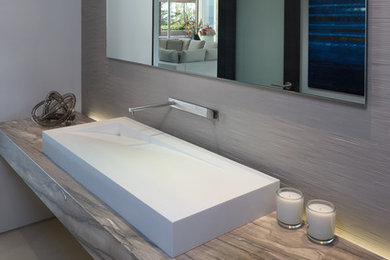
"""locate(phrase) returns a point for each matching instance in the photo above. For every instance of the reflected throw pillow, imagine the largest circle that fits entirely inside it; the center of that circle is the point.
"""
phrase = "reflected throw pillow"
(174, 44)
(163, 43)
(193, 56)
(186, 44)
(196, 45)
(169, 55)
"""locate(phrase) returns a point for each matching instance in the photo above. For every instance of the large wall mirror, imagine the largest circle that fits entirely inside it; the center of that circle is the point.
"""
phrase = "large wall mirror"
(315, 47)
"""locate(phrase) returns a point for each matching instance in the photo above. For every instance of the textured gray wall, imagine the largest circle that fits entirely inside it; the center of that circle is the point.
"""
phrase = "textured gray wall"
(40, 51)
(328, 150)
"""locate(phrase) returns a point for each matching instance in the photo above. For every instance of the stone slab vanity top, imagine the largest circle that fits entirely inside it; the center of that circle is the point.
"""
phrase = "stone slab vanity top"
(105, 235)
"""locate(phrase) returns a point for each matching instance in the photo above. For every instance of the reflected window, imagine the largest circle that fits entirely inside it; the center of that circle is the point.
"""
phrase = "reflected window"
(187, 36)
(174, 16)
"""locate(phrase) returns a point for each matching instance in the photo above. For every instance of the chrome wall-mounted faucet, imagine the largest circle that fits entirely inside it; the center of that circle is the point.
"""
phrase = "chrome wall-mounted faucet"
(183, 106)
(134, 109)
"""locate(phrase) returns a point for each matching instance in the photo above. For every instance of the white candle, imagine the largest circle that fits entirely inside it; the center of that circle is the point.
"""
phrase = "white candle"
(289, 206)
(321, 219)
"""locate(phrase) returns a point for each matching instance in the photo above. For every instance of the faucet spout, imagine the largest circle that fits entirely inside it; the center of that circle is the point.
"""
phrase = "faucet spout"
(135, 109)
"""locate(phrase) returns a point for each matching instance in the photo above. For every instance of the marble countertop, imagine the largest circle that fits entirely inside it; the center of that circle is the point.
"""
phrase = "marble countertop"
(105, 235)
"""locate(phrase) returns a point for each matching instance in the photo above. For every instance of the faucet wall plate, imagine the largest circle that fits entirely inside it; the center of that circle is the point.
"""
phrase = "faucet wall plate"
(194, 109)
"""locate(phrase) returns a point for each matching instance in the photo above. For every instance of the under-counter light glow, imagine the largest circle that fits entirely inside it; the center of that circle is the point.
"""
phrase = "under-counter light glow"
(96, 117)
(378, 247)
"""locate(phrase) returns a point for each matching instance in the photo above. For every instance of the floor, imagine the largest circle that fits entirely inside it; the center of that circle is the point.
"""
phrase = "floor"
(45, 240)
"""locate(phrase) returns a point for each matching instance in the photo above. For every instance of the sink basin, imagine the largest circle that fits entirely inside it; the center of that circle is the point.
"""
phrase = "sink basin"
(175, 193)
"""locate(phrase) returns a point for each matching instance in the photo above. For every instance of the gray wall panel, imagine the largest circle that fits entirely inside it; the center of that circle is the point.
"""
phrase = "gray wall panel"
(329, 150)
(40, 51)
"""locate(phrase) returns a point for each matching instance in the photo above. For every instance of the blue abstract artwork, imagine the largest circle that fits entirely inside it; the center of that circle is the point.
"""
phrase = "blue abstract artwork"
(337, 45)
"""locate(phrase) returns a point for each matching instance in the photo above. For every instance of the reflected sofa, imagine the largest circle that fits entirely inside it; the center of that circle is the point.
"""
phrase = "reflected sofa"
(191, 56)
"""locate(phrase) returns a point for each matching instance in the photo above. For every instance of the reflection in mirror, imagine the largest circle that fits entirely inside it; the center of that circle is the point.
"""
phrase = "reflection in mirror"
(315, 47)
(186, 36)
(260, 42)
(129, 26)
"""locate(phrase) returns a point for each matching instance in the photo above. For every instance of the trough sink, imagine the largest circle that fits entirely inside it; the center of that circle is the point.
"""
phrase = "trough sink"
(175, 193)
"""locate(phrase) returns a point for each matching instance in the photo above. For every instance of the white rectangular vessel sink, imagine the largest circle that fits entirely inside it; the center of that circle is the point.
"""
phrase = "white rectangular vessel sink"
(175, 193)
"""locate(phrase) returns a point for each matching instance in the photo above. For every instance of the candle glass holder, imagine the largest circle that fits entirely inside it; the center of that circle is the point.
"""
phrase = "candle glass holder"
(321, 221)
(289, 208)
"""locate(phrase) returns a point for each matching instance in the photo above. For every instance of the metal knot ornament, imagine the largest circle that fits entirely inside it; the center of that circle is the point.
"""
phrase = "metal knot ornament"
(55, 109)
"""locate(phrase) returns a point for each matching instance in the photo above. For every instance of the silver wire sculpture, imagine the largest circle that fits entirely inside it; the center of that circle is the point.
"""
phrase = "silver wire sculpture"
(55, 109)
